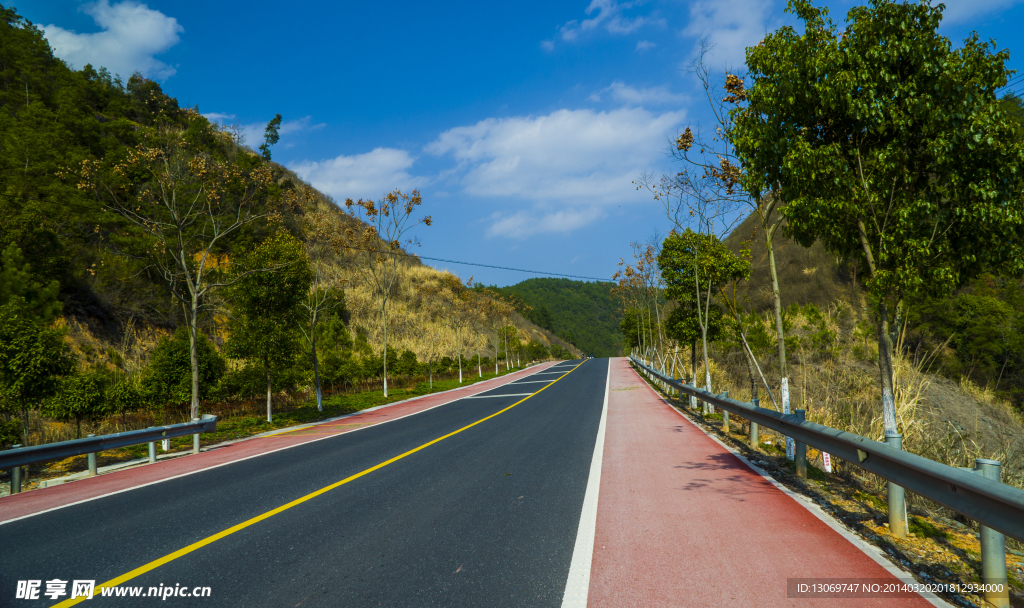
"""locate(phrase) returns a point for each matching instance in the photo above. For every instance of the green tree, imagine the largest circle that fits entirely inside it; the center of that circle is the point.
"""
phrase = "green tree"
(81, 396)
(169, 377)
(903, 161)
(124, 397)
(270, 136)
(267, 305)
(16, 282)
(694, 266)
(32, 360)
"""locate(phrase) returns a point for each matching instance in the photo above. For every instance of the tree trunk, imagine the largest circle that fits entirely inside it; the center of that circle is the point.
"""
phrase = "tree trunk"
(384, 320)
(693, 362)
(885, 371)
(193, 336)
(884, 343)
(777, 299)
(24, 426)
(270, 417)
(316, 371)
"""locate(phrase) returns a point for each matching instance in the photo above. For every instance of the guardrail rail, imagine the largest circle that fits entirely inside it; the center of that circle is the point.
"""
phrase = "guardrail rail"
(977, 494)
(19, 456)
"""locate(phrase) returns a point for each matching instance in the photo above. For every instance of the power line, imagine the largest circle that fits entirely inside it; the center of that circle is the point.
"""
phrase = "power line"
(553, 274)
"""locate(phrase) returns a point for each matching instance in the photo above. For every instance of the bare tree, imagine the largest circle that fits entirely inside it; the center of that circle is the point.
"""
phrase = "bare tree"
(323, 246)
(377, 242)
(188, 206)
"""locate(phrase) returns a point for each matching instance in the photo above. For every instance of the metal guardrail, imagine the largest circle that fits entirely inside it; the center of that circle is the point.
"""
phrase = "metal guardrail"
(17, 457)
(989, 502)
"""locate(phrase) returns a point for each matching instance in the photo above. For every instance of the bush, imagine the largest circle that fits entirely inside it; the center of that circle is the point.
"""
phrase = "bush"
(168, 379)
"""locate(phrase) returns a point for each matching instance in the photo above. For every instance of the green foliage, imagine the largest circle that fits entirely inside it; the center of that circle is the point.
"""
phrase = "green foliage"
(81, 397)
(168, 378)
(10, 433)
(534, 351)
(560, 352)
(270, 136)
(123, 397)
(583, 310)
(264, 327)
(682, 325)
(691, 259)
(16, 282)
(32, 359)
(904, 157)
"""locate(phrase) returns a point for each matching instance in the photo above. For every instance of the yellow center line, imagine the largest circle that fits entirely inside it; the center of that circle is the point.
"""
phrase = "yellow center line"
(114, 582)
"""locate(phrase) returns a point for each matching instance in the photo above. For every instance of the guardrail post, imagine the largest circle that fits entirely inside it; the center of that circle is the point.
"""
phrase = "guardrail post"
(92, 461)
(801, 449)
(152, 452)
(753, 425)
(16, 475)
(725, 415)
(993, 547)
(897, 498)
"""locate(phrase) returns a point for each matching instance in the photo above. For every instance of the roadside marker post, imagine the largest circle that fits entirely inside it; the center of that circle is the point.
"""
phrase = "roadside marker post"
(800, 451)
(753, 425)
(92, 461)
(16, 475)
(725, 415)
(993, 547)
(896, 495)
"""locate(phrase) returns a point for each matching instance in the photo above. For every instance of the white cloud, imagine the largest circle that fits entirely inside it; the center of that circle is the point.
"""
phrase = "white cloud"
(621, 92)
(361, 175)
(252, 133)
(958, 11)
(644, 45)
(527, 223)
(731, 26)
(570, 165)
(132, 34)
(604, 15)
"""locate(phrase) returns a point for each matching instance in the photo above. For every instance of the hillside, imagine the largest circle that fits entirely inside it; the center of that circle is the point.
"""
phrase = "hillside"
(71, 142)
(960, 368)
(581, 312)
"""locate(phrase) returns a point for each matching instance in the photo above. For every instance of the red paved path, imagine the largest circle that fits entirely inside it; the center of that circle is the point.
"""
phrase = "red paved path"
(27, 503)
(683, 522)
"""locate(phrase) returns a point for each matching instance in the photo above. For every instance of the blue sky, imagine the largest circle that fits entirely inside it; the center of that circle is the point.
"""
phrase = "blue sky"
(522, 124)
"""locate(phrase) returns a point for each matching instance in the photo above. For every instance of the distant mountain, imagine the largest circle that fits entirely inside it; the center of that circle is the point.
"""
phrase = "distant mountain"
(579, 312)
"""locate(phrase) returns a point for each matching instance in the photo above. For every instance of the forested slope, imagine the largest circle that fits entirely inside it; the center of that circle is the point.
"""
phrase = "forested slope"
(84, 270)
(579, 311)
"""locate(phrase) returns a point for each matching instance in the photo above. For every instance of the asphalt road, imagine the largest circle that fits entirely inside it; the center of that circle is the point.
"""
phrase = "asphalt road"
(485, 517)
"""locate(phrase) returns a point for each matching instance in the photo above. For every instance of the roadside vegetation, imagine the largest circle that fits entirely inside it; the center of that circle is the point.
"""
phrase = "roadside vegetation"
(154, 266)
(839, 248)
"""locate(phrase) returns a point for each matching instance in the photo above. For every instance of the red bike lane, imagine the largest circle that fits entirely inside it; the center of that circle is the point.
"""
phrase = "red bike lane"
(45, 499)
(681, 521)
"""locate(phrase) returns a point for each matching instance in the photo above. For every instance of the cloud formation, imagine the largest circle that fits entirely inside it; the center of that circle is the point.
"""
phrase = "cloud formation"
(569, 165)
(958, 11)
(361, 175)
(627, 95)
(132, 35)
(607, 15)
(731, 26)
(252, 133)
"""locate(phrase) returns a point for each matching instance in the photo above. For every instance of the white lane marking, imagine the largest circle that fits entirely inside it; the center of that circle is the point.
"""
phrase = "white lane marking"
(533, 382)
(867, 548)
(508, 395)
(287, 447)
(577, 585)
